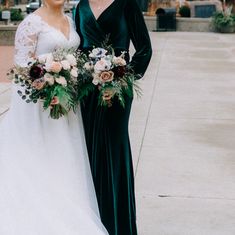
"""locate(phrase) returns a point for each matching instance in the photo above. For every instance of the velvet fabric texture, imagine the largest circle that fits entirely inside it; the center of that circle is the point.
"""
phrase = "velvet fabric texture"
(106, 129)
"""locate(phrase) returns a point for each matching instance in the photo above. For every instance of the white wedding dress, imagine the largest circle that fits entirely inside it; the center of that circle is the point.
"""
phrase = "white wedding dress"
(46, 186)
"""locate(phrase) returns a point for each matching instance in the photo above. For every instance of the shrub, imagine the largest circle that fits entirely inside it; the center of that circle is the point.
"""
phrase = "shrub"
(16, 14)
(223, 19)
(184, 11)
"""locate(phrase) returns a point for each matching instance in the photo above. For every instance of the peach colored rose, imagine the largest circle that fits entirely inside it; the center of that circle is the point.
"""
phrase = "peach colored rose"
(38, 84)
(55, 67)
(119, 61)
(106, 76)
(55, 100)
(107, 95)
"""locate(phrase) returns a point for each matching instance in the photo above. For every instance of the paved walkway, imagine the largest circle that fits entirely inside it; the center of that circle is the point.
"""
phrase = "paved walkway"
(183, 136)
(6, 61)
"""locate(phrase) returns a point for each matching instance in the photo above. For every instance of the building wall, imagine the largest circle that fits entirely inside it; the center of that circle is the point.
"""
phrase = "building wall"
(13, 2)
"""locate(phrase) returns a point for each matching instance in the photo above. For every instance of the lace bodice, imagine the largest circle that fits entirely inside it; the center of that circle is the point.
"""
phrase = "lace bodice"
(34, 37)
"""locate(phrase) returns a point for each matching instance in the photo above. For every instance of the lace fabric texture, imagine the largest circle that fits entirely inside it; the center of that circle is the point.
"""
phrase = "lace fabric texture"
(35, 36)
(46, 186)
(26, 40)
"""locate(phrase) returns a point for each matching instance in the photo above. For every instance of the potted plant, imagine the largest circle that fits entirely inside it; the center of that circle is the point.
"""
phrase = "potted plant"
(16, 14)
(184, 11)
(224, 21)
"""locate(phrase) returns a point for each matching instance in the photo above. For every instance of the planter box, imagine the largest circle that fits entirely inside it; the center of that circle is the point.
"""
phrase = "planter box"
(183, 24)
(194, 24)
(227, 29)
(2, 22)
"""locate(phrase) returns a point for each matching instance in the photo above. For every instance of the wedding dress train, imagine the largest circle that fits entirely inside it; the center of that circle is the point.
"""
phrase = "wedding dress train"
(46, 186)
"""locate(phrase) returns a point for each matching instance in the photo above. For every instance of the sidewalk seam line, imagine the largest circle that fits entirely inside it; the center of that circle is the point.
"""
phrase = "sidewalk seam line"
(3, 92)
(4, 112)
(188, 197)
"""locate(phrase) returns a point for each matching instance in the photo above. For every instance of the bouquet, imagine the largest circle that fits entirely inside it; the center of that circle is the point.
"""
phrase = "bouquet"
(51, 79)
(110, 74)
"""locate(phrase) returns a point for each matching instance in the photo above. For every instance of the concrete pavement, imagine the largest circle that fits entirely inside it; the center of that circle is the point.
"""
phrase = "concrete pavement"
(6, 61)
(182, 135)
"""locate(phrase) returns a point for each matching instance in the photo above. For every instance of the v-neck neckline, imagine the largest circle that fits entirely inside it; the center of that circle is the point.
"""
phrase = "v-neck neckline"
(97, 19)
(67, 37)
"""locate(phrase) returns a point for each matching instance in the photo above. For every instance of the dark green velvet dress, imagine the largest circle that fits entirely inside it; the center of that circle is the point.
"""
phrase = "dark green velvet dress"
(106, 129)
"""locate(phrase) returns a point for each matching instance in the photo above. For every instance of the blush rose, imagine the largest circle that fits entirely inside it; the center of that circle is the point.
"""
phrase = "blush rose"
(55, 67)
(55, 100)
(38, 84)
(106, 76)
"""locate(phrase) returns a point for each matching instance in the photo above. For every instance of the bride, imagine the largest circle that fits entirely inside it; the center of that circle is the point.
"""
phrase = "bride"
(46, 186)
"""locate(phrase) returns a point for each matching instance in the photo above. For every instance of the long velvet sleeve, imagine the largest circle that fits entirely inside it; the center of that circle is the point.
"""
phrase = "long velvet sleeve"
(140, 38)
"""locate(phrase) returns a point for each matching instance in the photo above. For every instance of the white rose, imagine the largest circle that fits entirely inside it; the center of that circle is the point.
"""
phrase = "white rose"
(108, 57)
(96, 79)
(42, 59)
(47, 67)
(61, 80)
(74, 72)
(95, 82)
(65, 64)
(71, 59)
(88, 66)
(47, 60)
(75, 68)
(49, 78)
(102, 65)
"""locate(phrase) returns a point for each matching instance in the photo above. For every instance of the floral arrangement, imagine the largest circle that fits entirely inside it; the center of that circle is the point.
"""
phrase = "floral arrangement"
(110, 74)
(50, 78)
(61, 79)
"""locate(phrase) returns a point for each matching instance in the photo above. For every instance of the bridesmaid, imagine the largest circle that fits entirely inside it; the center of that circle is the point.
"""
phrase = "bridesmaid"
(106, 129)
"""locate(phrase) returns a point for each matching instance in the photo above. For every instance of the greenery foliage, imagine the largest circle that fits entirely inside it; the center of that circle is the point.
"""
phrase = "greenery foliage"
(184, 11)
(223, 19)
(63, 78)
(16, 14)
(50, 79)
(122, 79)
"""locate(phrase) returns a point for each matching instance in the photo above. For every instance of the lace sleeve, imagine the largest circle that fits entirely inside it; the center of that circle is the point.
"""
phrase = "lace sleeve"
(26, 40)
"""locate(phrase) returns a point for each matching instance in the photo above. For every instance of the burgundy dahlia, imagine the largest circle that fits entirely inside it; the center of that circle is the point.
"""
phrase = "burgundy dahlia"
(119, 71)
(36, 72)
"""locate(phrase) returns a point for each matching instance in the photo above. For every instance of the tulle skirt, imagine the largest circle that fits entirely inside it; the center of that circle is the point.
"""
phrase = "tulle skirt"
(46, 186)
